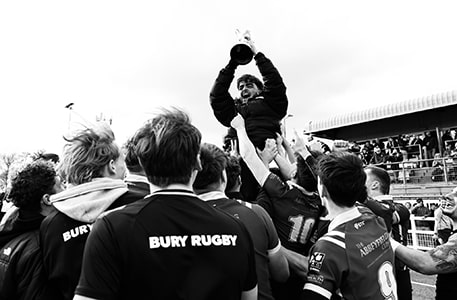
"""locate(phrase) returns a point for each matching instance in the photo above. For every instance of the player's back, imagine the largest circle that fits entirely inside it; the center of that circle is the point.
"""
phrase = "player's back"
(354, 258)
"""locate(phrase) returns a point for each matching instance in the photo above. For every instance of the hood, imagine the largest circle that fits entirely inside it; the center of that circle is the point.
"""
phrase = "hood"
(85, 202)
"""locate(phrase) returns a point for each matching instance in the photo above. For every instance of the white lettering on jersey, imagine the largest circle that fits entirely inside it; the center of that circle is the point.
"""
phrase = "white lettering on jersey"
(77, 231)
(382, 241)
(174, 241)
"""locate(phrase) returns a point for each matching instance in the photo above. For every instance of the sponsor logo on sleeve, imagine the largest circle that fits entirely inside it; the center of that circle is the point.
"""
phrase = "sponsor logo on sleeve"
(316, 260)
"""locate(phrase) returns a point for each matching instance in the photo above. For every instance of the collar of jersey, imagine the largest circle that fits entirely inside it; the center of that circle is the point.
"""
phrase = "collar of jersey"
(383, 197)
(212, 195)
(177, 192)
(344, 217)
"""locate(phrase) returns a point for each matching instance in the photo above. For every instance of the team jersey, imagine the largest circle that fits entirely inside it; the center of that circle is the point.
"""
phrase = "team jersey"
(262, 231)
(171, 245)
(294, 213)
(354, 259)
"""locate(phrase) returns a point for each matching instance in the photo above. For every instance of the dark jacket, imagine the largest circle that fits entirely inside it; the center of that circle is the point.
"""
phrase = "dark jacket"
(21, 268)
(64, 233)
(263, 113)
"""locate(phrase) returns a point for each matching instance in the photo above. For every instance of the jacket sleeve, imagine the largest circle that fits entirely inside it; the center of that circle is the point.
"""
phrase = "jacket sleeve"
(221, 102)
(274, 91)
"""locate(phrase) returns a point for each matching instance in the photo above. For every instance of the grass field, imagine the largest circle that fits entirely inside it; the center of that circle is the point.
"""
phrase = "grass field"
(423, 286)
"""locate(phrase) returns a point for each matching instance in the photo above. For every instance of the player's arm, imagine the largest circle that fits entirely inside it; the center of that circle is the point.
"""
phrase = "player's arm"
(248, 151)
(440, 260)
(297, 262)
(249, 295)
(78, 297)
(274, 89)
(221, 101)
(277, 262)
(310, 295)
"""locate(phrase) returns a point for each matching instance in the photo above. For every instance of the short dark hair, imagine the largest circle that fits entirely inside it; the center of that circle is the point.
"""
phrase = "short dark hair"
(168, 147)
(343, 176)
(213, 161)
(248, 78)
(131, 159)
(306, 176)
(233, 170)
(31, 183)
(382, 177)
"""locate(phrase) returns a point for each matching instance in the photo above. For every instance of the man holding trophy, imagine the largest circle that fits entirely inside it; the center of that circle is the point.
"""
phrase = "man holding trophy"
(262, 104)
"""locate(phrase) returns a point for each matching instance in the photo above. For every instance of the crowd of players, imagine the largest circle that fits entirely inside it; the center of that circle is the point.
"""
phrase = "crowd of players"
(167, 217)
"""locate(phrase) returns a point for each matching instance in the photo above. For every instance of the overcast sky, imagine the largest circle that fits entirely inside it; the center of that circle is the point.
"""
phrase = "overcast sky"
(126, 58)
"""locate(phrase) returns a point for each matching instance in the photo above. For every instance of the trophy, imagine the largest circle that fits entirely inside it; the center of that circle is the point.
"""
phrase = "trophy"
(241, 52)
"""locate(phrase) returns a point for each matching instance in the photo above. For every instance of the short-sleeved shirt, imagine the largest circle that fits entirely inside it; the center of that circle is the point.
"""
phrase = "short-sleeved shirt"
(262, 231)
(294, 213)
(354, 258)
(171, 245)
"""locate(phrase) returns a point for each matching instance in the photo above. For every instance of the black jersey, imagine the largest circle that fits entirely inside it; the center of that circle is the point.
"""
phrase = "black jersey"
(294, 213)
(263, 234)
(171, 245)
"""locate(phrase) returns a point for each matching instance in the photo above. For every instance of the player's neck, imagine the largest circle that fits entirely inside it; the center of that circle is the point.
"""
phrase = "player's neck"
(335, 210)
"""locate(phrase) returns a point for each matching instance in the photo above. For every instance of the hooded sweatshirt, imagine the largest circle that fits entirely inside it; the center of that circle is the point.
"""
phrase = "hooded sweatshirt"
(64, 232)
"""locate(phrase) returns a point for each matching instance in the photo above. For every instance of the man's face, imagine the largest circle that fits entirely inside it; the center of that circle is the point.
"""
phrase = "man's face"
(448, 203)
(320, 190)
(121, 168)
(369, 182)
(248, 90)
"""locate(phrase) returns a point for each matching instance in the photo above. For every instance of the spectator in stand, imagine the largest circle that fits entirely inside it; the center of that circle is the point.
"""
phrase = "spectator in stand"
(21, 268)
(441, 260)
(444, 225)
(263, 105)
(170, 245)
(378, 157)
(394, 160)
(420, 210)
(365, 155)
(294, 206)
(445, 137)
(448, 150)
(210, 185)
(378, 188)
(391, 144)
(341, 261)
(95, 169)
(430, 146)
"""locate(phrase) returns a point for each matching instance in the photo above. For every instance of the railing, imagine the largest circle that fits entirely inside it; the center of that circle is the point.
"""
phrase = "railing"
(416, 170)
(420, 236)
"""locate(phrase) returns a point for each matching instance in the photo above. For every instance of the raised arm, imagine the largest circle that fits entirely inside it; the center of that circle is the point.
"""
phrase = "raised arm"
(220, 99)
(248, 152)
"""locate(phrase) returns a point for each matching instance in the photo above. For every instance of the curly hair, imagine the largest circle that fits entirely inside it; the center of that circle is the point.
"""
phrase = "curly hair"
(87, 153)
(31, 183)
